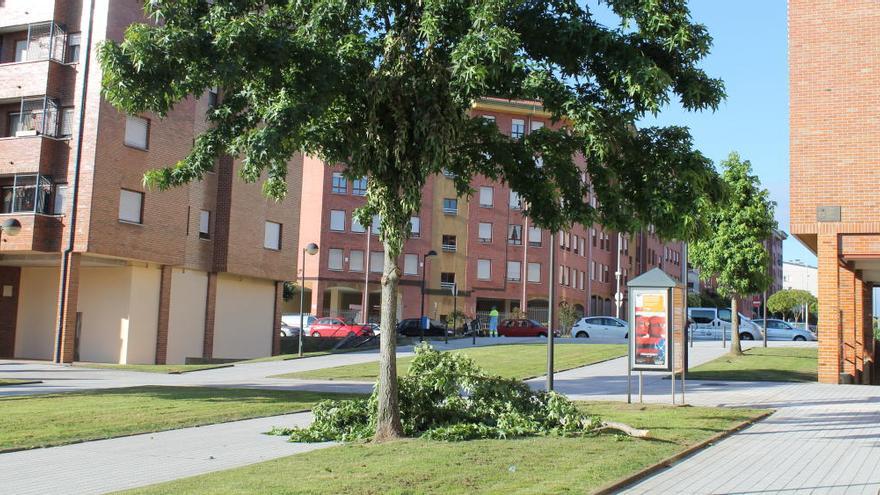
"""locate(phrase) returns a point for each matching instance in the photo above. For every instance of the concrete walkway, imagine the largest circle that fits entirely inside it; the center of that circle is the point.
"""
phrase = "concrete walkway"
(121, 463)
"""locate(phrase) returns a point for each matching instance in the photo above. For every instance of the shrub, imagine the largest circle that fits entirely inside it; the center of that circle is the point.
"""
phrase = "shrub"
(445, 396)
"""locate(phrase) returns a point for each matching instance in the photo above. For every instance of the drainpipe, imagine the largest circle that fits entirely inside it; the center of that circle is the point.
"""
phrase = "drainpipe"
(74, 184)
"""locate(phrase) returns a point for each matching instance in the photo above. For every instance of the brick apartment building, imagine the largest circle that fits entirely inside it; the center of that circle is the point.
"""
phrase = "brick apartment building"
(834, 73)
(102, 269)
(485, 246)
(754, 305)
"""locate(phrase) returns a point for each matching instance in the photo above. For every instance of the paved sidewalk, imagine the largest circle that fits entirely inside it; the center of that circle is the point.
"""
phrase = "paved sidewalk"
(121, 463)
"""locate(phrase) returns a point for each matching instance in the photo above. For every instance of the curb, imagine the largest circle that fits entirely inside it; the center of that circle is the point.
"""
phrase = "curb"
(616, 486)
(28, 382)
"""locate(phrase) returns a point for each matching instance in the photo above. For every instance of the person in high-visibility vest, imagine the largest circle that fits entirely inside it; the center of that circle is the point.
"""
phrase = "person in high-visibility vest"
(493, 322)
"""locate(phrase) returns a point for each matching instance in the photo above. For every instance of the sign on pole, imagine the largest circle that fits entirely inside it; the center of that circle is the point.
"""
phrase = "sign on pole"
(652, 333)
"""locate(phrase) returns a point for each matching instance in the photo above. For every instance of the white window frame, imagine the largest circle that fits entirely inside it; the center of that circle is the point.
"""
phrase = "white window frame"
(134, 125)
(484, 269)
(534, 273)
(272, 231)
(514, 271)
(337, 220)
(410, 264)
(487, 196)
(60, 200)
(356, 254)
(484, 237)
(517, 124)
(204, 224)
(356, 226)
(377, 262)
(535, 236)
(335, 259)
(131, 213)
(415, 224)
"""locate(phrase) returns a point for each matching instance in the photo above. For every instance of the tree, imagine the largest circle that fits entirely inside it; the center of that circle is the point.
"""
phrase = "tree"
(567, 315)
(735, 252)
(386, 89)
(791, 302)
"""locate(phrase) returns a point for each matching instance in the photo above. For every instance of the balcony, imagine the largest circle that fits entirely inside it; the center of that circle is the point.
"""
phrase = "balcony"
(32, 135)
(31, 199)
(34, 61)
(38, 233)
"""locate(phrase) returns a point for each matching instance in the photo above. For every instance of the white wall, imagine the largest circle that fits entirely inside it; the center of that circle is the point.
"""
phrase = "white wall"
(186, 315)
(803, 277)
(104, 304)
(37, 312)
(143, 315)
(243, 317)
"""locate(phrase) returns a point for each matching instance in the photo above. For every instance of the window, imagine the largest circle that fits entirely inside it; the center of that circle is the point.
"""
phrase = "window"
(204, 224)
(376, 226)
(337, 220)
(13, 124)
(213, 97)
(515, 201)
(61, 191)
(592, 270)
(359, 187)
(450, 206)
(536, 124)
(356, 261)
(605, 277)
(484, 269)
(334, 260)
(535, 236)
(28, 194)
(514, 271)
(377, 261)
(486, 197)
(581, 280)
(131, 206)
(583, 247)
(356, 225)
(272, 236)
(21, 50)
(534, 272)
(447, 280)
(485, 232)
(73, 47)
(517, 128)
(575, 245)
(447, 173)
(514, 234)
(66, 126)
(724, 315)
(410, 264)
(489, 118)
(338, 184)
(449, 243)
(137, 132)
(415, 227)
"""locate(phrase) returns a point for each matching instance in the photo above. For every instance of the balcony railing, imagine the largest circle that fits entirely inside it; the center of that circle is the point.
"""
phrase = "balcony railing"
(44, 41)
(31, 193)
(38, 116)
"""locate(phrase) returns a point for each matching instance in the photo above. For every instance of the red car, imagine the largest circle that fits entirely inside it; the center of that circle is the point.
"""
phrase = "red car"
(521, 328)
(337, 327)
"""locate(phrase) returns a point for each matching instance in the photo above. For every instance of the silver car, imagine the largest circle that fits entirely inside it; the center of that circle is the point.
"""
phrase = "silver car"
(783, 330)
(605, 327)
(290, 324)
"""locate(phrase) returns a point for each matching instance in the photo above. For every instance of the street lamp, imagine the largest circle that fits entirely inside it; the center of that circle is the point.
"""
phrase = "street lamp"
(11, 226)
(311, 250)
(422, 314)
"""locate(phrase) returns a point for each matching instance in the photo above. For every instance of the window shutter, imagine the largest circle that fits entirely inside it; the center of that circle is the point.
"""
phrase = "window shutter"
(136, 132)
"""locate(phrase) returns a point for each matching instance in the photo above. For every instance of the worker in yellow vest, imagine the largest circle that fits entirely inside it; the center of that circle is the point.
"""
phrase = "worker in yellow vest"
(493, 322)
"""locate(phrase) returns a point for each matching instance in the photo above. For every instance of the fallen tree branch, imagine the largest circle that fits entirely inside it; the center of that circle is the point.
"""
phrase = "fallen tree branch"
(624, 428)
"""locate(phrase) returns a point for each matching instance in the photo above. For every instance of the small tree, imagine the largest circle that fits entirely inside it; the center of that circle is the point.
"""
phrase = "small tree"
(387, 89)
(456, 319)
(791, 302)
(735, 253)
(567, 315)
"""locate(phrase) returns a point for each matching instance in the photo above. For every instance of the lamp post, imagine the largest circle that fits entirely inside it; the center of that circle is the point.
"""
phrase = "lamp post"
(311, 250)
(422, 313)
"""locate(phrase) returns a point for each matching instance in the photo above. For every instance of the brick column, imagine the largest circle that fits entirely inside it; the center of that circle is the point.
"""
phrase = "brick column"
(829, 309)
(164, 305)
(847, 302)
(68, 297)
(859, 325)
(210, 310)
(276, 318)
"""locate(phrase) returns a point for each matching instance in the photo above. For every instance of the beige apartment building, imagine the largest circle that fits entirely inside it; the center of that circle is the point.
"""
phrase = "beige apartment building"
(93, 266)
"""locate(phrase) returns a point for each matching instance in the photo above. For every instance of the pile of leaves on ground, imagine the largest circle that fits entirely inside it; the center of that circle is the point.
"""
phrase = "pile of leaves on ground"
(446, 396)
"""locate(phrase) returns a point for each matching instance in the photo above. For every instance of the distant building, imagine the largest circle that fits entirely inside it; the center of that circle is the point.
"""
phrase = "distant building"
(799, 275)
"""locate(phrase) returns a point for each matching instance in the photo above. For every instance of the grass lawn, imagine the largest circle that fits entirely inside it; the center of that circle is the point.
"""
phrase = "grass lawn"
(776, 364)
(43, 420)
(520, 361)
(524, 466)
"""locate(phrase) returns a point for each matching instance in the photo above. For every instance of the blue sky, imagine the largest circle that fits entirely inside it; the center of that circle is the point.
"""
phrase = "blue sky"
(750, 54)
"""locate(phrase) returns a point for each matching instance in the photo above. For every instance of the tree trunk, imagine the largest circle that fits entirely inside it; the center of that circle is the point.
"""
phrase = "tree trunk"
(388, 425)
(735, 348)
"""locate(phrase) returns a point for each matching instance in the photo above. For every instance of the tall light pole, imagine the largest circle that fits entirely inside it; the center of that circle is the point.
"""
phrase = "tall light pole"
(551, 300)
(618, 296)
(311, 250)
(422, 312)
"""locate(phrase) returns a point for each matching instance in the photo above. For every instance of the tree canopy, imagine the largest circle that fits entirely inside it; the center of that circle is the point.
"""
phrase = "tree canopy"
(791, 301)
(386, 89)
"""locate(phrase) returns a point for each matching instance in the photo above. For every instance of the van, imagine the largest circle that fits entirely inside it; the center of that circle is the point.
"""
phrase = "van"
(290, 323)
(708, 323)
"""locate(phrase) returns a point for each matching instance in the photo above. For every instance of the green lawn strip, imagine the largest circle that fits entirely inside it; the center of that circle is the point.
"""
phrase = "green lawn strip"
(284, 357)
(13, 381)
(521, 361)
(524, 466)
(775, 364)
(156, 368)
(44, 420)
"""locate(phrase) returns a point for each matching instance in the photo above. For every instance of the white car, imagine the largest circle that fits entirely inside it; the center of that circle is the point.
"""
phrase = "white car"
(782, 330)
(708, 323)
(605, 327)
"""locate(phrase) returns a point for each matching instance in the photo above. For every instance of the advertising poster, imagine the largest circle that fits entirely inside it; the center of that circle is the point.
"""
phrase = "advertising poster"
(650, 345)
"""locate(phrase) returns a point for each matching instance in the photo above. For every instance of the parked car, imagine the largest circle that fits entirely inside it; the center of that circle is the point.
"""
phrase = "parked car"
(783, 330)
(710, 322)
(522, 328)
(337, 327)
(290, 324)
(600, 327)
(410, 328)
